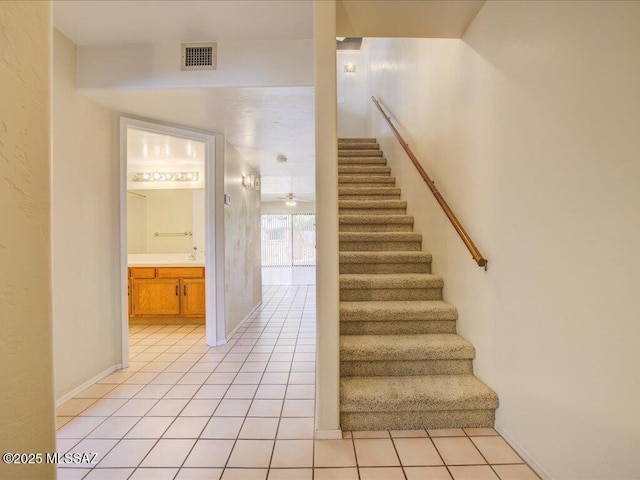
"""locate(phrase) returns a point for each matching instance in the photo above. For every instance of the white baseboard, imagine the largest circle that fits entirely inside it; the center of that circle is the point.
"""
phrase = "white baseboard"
(524, 454)
(87, 384)
(328, 434)
(242, 322)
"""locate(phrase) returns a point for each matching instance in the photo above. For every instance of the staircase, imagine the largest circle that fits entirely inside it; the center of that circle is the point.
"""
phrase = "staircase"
(402, 365)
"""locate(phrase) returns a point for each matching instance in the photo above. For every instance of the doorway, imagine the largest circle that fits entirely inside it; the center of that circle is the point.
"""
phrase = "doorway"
(172, 228)
(288, 249)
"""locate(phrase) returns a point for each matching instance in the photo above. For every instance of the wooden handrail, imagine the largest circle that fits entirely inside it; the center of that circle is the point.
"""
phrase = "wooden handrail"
(475, 253)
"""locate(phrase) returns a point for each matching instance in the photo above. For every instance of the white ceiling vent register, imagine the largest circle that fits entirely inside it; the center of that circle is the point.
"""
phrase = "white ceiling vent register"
(199, 56)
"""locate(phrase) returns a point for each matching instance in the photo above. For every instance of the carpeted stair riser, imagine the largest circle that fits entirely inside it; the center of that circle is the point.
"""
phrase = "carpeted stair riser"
(392, 294)
(358, 146)
(384, 318)
(380, 262)
(405, 347)
(417, 420)
(381, 246)
(372, 211)
(397, 327)
(356, 140)
(405, 367)
(364, 170)
(379, 241)
(427, 354)
(359, 153)
(365, 161)
(373, 227)
(361, 205)
(369, 194)
(412, 393)
(385, 268)
(384, 311)
(366, 181)
(372, 207)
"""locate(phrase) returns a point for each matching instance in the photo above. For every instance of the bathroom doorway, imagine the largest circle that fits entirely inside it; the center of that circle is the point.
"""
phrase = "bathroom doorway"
(172, 228)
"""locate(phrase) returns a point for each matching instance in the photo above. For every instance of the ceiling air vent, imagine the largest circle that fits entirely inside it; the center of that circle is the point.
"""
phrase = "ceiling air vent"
(199, 56)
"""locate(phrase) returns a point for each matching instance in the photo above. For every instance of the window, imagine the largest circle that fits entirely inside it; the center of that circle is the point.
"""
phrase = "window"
(289, 240)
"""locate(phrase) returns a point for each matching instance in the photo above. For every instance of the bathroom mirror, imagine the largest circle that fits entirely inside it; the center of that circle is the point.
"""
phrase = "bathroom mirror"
(165, 193)
(165, 221)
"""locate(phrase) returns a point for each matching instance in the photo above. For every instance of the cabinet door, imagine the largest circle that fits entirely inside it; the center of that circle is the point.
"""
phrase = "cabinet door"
(193, 302)
(156, 296)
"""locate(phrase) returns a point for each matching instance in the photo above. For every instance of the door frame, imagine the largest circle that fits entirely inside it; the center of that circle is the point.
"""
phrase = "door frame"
(214, 227)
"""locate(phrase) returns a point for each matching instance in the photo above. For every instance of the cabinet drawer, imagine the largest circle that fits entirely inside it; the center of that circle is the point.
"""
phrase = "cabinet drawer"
(143, 272)
(180, 272)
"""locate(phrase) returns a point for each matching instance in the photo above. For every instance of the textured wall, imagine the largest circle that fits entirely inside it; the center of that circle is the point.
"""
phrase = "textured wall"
(529, 126)
(243, 282)
(86, 240)
(26, 371)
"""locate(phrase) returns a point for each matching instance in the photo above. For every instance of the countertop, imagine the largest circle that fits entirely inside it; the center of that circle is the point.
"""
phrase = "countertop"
(163, 259)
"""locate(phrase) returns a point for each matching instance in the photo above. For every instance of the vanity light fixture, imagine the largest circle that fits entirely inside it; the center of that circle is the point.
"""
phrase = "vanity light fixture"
(165, 177)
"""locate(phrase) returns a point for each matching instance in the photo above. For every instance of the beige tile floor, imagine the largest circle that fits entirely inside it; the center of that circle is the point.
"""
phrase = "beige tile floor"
(183, 410)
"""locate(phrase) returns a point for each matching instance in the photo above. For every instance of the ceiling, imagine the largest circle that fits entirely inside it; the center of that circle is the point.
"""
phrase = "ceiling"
(105, 22)
(261, 123)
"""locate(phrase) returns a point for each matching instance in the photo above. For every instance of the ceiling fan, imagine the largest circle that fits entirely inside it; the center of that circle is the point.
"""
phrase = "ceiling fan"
(291, 200)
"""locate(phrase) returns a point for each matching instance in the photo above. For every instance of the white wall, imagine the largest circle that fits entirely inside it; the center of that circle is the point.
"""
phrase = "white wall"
(243, 281)
(529, 126)
(169, 211)
(240, 64)
(26, 369)
(85, 227)
(353, 94)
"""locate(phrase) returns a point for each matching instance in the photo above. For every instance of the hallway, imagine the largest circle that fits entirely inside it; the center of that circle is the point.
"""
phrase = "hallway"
(245, 411)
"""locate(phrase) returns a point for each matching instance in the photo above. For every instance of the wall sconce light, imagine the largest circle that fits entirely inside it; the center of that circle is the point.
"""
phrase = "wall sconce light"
(350, 68)
(251, 181)
(165, 177)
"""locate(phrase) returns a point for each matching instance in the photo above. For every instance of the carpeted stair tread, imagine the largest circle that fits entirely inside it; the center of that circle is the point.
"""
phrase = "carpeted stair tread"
(436, 346)
(364, 170)
(391, 191)
(374, 311)
(357, 146)
(367, 180)
(385, 257)
(415, 393)
(374, 219)
(390, 281)
(362, 161)
(356, 140)
(359, 153)
(376, 237)
(372, 204)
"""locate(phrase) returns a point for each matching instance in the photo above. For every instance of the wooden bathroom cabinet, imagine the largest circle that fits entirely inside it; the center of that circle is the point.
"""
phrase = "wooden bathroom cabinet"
(166, 292)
